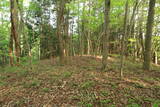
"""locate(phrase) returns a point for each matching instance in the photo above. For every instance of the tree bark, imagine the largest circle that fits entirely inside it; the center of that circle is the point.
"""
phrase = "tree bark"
(66, 34)
(106, 35)
(11, 59)
(155, 58)
(60, 32)
(123, 40)
(14, 29)
(148, 38)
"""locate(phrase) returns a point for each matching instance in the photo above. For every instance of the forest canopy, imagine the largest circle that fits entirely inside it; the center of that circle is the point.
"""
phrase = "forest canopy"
(47, 28)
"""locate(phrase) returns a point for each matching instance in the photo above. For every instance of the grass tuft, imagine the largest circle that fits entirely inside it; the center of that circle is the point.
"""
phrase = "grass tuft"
(87, 84)
(45, 90)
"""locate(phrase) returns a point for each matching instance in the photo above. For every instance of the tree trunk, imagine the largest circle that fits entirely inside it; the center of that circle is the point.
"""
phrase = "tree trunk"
(132, 20)
(83, 32)
(88, 43)
(155, 58)
(66, 34)
(11, 59)
(60, 22)
(14, 28)
(148, 38)
(106, 35)
(123, 40)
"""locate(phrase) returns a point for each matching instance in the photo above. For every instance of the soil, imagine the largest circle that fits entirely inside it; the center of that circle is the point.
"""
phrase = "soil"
(80, 83)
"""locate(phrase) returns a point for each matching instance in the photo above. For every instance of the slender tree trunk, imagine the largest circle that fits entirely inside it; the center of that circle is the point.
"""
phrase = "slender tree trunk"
(132, 20)
(72, 39)
(123, 40)
(88, 43)
(155, 58)
(67, 35)
(89, 31)
(141, 40)
(3, 55)
(11, 59)
(106, 35)
(148, 38)
(60, 22)
(14, 29)
(83, 32)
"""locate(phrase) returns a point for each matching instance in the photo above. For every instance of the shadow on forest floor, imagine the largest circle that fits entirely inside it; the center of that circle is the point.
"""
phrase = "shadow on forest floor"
(80, 84)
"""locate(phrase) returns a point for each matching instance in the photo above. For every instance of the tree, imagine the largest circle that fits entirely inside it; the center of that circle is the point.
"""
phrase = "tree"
(148, 38)
(123, 39)
(106, 35)
(60, 28)
(14, 32)
(64, 28)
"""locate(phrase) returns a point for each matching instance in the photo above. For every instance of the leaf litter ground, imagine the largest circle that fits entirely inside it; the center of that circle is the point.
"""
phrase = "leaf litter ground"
(80, 84)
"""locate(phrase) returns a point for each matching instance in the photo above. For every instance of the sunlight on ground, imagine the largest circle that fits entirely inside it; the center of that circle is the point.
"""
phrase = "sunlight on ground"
(136, 81)
(99, 57)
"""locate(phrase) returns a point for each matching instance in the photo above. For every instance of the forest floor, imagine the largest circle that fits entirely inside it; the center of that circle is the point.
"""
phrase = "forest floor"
(79, 84)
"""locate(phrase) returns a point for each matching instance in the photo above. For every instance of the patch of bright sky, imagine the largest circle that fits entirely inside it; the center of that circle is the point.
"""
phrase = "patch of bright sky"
(26, 2)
